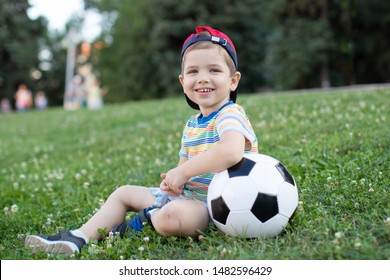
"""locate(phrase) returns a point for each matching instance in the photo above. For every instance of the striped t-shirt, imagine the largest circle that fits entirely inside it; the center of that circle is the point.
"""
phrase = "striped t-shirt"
(201, 133)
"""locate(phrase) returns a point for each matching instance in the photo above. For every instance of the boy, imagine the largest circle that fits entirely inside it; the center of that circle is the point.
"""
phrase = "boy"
(212, 141)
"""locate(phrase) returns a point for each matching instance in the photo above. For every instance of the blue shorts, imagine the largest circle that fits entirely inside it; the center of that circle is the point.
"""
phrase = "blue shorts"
(163, 198)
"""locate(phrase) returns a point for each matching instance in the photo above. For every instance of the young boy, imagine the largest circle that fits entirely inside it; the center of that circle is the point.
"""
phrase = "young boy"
(212, 141)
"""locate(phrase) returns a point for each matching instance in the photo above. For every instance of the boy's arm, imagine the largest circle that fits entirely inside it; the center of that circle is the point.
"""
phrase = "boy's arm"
(221, 156)
(163, 175)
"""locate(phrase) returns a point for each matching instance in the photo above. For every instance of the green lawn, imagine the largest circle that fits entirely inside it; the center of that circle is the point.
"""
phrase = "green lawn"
(57, 167)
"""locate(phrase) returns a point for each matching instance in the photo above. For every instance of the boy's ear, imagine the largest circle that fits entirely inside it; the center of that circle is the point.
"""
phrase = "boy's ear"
(181, 79)
(235, 79)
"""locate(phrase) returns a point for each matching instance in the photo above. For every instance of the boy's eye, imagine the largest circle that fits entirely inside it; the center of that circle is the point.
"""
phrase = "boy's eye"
(191, 71)
(215, 70)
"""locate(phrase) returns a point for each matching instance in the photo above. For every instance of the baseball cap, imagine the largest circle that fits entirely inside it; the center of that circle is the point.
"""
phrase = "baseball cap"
(216, 37)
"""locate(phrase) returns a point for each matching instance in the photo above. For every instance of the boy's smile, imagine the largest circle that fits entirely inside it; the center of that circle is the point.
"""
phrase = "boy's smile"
(206, 78)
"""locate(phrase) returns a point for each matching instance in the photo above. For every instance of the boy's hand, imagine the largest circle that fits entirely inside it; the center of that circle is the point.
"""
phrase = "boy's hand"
(173, 182)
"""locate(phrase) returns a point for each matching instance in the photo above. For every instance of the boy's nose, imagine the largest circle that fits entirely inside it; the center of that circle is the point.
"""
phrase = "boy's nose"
(203, 78)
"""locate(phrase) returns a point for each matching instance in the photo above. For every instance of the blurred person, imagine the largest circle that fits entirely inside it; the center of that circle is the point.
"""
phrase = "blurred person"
(41, 101)
(75, 94)
(23, 98)
(95, 95)
(5, 105)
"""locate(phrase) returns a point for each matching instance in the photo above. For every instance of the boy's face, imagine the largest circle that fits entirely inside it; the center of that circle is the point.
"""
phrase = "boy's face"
(206, 78)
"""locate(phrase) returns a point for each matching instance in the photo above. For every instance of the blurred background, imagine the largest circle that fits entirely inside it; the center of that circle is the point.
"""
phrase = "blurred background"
(130, 49)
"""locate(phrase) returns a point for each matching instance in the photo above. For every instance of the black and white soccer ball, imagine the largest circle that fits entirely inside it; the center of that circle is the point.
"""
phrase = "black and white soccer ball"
(254, 198)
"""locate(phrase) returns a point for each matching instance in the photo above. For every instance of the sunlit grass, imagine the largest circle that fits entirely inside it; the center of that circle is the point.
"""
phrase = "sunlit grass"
(57, 168)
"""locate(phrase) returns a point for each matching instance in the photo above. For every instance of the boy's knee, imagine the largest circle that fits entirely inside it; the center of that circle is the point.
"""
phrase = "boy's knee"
(180, 219)
(120, 193)
(167, 221)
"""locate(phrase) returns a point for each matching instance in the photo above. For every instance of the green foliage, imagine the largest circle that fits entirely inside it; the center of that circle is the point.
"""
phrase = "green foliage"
(52, 81)
(128, 67)
(329, 42)
(370, 26)
(19, 39)
(293, 53)
(57, 167)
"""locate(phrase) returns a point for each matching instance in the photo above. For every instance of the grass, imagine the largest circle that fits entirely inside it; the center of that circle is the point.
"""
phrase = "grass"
(57, 167)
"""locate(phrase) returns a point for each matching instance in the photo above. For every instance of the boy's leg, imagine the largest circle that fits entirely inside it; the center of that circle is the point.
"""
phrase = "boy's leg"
(113, 212)
(181, 218)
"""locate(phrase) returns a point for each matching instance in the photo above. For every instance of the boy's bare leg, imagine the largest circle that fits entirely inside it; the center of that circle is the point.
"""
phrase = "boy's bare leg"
(181, 218)
(114, 210)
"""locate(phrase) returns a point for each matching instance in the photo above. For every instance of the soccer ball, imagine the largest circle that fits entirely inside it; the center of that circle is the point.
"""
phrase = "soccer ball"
(254, 198)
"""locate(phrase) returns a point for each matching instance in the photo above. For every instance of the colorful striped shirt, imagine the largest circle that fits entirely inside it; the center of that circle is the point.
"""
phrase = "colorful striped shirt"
(202, 133)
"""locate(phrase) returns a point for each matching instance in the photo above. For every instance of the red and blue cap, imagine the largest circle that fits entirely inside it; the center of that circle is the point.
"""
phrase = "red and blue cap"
(216, 37)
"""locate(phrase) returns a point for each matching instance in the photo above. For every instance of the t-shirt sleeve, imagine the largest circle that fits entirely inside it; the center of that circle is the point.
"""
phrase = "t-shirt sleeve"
(233, 119)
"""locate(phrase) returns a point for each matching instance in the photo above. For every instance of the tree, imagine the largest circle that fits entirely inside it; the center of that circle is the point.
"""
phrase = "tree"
(19, 45)
(327, 42)
(127, 66)
(299, 44)
(370, 40)
(53, 66)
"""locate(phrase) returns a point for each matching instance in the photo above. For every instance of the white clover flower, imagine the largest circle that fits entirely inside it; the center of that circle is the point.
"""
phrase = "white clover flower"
(224, 251)
(60, 176)
(338, 235)
(77, 176)
(356, 205)
(141, 248)
(14, 208)
(146, 239)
